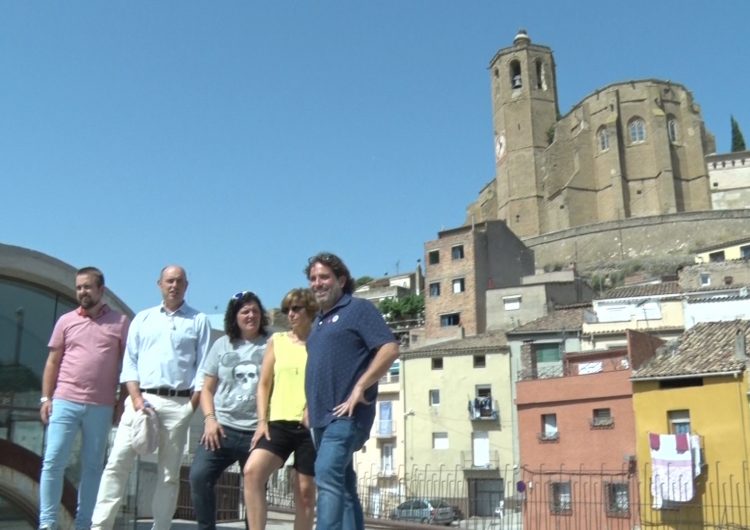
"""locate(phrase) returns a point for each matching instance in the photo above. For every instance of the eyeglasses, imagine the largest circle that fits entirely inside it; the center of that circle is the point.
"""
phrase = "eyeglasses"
(293, 309)
(242, 294)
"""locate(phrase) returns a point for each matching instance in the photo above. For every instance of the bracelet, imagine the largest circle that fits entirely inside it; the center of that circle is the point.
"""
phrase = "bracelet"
(262, 420)
(209, 416)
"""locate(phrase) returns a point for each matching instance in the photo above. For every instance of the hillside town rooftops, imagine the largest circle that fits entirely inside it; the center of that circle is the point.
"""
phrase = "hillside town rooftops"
(707, 349)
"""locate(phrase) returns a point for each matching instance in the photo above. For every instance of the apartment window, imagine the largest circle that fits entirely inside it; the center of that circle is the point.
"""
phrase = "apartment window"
(480, 361)
(679, 421)
(602, 418)
(433, 257)
(715, 257)
(617, 497)
(548, 353)
(637, 130)
(450, 319)
(459, 285)
(672, 129)
(434, 397)
(440, 440)
(705, 279)
(511, 303)
(549, 427)
(560, 497)
(457, 252)
(437, 363)
(435, 289)
(603, 139)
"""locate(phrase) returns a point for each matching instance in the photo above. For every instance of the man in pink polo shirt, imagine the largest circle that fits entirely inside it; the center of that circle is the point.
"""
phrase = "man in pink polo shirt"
(79, 388)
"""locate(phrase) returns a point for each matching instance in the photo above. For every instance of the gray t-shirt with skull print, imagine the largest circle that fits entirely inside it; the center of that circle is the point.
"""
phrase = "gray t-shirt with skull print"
(236, 365)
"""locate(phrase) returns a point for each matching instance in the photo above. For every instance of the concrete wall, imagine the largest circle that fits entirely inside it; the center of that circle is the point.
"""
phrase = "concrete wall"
(646, 237)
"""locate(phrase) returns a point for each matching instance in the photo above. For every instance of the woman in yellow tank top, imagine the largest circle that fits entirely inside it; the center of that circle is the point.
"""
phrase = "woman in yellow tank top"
(282, 422)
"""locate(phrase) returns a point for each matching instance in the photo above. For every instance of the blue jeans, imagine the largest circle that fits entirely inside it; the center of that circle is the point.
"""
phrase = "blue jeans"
(338, 504)
(207, 468)
(67, 418)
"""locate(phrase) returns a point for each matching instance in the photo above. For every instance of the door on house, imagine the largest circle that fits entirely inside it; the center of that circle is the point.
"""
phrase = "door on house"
(480, 442)
(387, 456)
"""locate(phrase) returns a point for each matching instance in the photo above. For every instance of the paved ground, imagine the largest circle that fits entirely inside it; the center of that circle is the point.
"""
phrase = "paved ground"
(283, 521)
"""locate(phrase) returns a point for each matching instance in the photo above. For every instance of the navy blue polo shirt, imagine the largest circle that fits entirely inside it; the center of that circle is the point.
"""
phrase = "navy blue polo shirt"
(340, 347)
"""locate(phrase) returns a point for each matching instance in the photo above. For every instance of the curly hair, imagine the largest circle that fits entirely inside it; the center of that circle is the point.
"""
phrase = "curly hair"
(337, 266)
(233, 307)
(304, 297)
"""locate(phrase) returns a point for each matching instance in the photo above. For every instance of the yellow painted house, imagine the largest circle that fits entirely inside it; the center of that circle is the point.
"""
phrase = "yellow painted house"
(458, 422)
(695, 391)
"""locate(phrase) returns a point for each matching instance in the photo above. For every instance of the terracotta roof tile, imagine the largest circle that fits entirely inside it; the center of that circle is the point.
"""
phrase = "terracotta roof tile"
(485, 341)
(649, 289)
(706, 348)
(558, 320)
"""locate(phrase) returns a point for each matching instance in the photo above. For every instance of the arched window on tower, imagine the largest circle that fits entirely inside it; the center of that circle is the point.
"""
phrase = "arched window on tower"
(637, 130)
(541, 76)
(673, 129)
(515, 74)
(602, 136)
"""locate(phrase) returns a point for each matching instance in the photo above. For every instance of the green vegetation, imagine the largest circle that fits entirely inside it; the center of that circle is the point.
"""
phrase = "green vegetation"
(738, 141)
(362, 280)
(406, 308)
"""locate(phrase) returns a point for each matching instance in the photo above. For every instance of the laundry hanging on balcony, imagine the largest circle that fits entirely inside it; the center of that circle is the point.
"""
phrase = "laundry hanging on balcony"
(675, 462)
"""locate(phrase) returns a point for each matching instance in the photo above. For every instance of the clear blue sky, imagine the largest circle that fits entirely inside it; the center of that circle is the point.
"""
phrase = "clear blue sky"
(237, 138)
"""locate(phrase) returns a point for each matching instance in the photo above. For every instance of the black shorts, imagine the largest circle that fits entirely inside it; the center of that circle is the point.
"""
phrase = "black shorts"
(289, 437)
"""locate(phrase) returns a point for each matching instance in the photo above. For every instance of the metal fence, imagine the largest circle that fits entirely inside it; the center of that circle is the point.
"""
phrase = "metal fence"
(538, 499)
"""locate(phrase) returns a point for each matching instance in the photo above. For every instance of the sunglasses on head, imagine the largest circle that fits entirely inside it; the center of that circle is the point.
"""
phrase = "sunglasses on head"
(242, 294)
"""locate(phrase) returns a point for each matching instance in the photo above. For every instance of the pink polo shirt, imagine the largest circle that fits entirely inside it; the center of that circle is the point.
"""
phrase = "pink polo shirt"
(92, 354)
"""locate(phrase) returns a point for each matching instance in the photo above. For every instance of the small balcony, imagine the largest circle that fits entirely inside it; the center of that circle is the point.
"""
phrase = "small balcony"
(387, 472)
(548, 437)
(487, 460)
(602, 423)
(385, 429)
(483, 409)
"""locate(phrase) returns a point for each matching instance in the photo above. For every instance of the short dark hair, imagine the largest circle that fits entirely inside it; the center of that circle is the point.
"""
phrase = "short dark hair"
(337, 266)
(233, 307)
(92, 271)
(302, 296)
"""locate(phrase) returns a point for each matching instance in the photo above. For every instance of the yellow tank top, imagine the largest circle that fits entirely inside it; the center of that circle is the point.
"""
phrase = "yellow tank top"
(288, 398)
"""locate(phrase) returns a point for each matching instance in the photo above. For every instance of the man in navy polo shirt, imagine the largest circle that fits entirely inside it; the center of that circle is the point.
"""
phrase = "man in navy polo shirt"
(349, 348)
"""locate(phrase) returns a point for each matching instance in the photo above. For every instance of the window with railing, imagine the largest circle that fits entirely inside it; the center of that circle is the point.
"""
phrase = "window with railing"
(602, 419)
(561, 499)
(617, 498)
(549, 432)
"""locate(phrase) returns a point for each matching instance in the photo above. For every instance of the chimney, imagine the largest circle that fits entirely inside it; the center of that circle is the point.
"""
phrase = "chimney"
(740, 351)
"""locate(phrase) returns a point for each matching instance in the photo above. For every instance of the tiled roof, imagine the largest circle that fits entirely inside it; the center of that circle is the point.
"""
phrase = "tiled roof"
(649, 289)
(622, 331)
(706, 348)
(485, 341)
(558, 320)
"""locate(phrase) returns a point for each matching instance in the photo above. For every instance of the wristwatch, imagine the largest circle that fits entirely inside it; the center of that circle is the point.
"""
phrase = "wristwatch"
(43, 400)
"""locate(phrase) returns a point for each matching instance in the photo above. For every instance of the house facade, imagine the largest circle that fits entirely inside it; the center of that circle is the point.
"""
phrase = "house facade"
(695, 393)
(457, 434)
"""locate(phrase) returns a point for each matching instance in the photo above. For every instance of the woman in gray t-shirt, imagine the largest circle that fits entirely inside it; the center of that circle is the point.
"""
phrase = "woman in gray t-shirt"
(230, 376)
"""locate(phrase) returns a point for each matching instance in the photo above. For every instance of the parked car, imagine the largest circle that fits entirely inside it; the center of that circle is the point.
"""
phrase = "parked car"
(429, 511)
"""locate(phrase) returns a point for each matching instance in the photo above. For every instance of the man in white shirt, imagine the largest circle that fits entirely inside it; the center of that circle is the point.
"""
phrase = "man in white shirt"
(165, 347)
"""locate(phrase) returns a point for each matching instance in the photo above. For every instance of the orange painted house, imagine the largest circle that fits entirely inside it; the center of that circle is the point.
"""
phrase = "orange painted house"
(577, 437)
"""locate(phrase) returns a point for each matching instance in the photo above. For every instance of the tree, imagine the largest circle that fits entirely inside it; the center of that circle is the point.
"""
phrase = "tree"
(738, 141)
(409, 307)
(362, 280)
